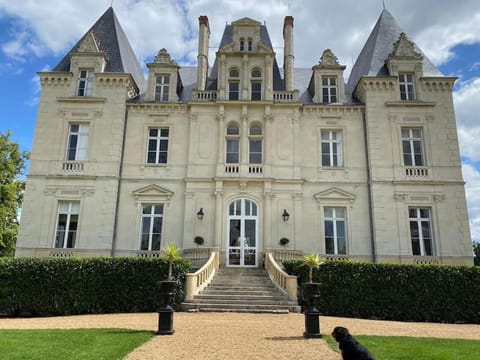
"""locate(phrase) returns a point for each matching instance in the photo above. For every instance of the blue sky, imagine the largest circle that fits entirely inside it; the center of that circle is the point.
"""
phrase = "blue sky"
(34, 36)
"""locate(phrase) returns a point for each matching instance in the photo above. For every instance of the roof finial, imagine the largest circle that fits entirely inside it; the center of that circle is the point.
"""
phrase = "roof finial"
(383, 4)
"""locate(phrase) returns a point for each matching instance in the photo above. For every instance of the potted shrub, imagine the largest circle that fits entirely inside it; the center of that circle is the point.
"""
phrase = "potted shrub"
(284, 241)
(167, 290)
(311, 290)
(198, 240)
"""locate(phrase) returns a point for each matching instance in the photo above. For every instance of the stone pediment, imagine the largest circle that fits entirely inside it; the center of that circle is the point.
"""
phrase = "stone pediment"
(334, 194)
(404, 48)
(328, 60)
(89, 44)
(246, 21)
(152, 191)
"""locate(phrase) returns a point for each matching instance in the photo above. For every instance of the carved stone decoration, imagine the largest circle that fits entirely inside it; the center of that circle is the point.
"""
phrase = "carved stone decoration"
(163, 57)
(404, 48)
(89, 44)
(329, 60)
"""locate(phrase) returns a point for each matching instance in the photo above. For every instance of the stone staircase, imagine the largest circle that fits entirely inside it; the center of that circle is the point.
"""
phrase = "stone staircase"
(241, 290)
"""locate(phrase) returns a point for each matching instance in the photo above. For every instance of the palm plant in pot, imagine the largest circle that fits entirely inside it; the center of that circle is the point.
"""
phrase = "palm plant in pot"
(311, 290)
(167, 289)
(171, 254)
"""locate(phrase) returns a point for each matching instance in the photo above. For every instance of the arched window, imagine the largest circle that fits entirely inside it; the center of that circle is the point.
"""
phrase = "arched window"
(255, 144)
(232, 144)
(256, 85)
(233, 84)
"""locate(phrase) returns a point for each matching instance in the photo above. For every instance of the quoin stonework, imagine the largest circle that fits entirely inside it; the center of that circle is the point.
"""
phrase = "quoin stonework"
(243, 153)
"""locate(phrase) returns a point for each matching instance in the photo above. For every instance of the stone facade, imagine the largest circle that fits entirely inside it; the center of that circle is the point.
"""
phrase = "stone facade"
(242, 154)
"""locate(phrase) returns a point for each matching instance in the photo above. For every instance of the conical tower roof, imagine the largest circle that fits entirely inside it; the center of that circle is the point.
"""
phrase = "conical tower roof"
(371, 61)
(114, 43)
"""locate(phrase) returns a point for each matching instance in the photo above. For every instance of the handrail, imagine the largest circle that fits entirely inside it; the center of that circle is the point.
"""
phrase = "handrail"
(288, 283)
(197, 281)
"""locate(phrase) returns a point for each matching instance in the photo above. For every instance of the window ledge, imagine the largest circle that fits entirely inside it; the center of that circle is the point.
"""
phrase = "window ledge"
(88, 99)
(411, 103)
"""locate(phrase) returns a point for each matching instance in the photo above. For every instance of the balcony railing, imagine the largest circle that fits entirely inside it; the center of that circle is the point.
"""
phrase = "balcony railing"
(72, 167)
(232, 169)
(416, 171)
(204, 95)
(285, 96)
(255, 169)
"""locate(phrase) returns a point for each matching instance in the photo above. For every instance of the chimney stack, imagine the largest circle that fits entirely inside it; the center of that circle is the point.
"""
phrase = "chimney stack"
(288, 56)
(202, 58)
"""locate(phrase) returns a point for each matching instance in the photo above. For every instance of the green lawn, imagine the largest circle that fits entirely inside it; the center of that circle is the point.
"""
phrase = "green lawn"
(411, 348)
(84, 344)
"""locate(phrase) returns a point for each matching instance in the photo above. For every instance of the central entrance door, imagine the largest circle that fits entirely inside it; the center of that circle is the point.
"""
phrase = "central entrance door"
(242, 233)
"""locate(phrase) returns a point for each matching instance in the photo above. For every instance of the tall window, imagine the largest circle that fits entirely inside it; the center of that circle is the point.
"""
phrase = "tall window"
(250, 44)
(256, 85)
(329, 89)
(77, 142)
(332, 154)
(335, 220)
(85, 82)
(162, 86)
(421, 231)
(255, 145)
(234, 85)
(157, 152)
(242, 44)
(407, 86)
(232, 145)
(412, 147)
(151, 231)
(67, 224)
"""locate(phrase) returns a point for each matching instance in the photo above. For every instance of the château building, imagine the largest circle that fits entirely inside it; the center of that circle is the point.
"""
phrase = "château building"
(243, 153)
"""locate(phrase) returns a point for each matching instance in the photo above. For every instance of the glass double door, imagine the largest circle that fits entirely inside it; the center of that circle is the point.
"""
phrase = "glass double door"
(242, 233)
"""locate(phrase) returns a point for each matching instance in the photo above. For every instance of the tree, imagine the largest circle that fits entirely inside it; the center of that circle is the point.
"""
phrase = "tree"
(12, 166)
(476, 253)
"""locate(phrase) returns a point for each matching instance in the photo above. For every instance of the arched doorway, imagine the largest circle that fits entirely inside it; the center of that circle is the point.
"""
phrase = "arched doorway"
(242, 233)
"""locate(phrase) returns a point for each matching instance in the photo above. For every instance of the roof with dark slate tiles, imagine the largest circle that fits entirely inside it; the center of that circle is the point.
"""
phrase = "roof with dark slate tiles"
(371, 61)
(113, 41)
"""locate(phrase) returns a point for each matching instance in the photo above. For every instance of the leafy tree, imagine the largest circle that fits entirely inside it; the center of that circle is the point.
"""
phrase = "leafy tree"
(476, 252)
(12, 165)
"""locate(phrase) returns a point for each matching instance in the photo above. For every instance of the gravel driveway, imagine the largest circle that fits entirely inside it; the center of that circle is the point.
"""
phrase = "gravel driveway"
(240, 336)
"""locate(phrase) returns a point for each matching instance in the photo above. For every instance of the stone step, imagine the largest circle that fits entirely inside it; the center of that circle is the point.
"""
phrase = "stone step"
(235, 307)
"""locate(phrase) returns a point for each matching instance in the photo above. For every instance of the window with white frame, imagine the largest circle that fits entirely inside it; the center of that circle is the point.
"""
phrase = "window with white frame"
(332, 151)
(162, 86)
(232, 144)
(77, 142)
(255, 145)
(151, 227)
(421, 231)
(85, 82)
(234, 85)
(157, 149)
(407, 86)
(67, 224)
(256, 85)
(335, 230)
(412, 147)
(329, 89)
(242, 44)
(250, 44)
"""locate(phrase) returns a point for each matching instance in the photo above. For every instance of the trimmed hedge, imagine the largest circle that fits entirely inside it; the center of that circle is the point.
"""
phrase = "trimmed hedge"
(53, 286)
(395, 292)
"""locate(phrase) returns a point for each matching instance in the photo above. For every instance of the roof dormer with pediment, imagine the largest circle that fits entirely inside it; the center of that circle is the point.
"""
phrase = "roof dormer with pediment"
(164, 83)
(327, 84)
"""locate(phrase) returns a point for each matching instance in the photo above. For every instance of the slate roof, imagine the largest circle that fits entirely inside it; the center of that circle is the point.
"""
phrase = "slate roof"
(371, 61)
(113, 41)
(227, 38)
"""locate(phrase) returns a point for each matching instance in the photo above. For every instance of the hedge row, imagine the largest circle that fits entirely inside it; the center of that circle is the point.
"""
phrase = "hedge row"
(44, 286)
(396, 292)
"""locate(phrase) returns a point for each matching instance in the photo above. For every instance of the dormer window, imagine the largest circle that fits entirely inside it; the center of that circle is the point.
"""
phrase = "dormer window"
(407, 86)
(256, 85)
(85, 82)
(242, 44)
(162, 87)
(249, 44)
(329, 89)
